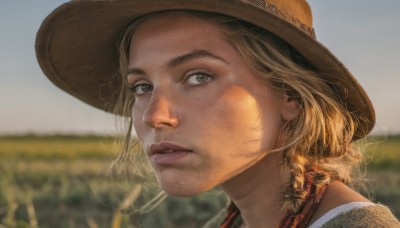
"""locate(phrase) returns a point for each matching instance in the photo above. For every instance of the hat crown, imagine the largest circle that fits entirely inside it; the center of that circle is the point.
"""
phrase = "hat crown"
(297, 12)
(75, 45)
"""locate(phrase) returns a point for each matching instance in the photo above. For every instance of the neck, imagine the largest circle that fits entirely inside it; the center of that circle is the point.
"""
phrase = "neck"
(257, 192)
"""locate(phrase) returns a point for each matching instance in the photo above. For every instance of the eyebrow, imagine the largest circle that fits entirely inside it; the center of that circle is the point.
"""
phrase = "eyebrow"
(195, 54)
(135, 71)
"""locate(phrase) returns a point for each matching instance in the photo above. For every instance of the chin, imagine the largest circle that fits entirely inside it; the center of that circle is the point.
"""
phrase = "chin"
(182, 188)
(184, 191)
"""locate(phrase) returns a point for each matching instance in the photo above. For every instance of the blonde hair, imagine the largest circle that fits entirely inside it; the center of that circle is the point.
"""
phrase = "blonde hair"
(318, 141)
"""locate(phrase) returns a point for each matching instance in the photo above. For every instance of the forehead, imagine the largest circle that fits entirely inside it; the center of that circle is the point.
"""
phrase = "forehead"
(175, 33)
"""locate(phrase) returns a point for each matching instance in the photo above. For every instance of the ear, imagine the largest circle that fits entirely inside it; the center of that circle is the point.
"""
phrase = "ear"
(290, 108)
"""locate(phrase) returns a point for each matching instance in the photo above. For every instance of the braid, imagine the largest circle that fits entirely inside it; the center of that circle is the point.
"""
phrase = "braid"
(295, 194)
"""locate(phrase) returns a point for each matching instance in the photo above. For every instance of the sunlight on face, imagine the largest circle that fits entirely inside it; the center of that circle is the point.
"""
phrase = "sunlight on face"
(200, 113)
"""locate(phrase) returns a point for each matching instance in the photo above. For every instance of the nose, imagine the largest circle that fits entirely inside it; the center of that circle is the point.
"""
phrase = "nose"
(159, 113)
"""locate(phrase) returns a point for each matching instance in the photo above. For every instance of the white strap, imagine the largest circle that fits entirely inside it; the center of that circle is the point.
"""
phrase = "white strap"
(336, 211)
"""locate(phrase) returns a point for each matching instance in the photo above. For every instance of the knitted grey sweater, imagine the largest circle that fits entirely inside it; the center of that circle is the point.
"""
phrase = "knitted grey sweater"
(369, 216)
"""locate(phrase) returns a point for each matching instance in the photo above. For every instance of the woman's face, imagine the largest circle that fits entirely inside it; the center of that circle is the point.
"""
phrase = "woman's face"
(200, 113)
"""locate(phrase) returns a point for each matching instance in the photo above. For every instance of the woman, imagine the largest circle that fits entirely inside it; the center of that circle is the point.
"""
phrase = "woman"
(236, 94)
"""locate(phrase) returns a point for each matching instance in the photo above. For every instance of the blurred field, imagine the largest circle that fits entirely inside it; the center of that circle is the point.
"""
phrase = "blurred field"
(61, 181)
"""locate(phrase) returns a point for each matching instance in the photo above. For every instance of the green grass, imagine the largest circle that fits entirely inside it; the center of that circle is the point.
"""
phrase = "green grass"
(56, 147)
(65, 181)
(61, 181)
(383, 152)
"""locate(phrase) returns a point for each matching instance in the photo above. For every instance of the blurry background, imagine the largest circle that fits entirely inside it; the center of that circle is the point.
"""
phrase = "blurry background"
(58, 180)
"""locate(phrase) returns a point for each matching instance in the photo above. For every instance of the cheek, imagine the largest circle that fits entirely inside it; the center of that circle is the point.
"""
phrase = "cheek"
(247, 110)
(242, 122)
(137, 119)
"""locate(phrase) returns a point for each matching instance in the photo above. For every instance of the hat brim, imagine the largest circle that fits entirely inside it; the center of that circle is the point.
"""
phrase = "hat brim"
(77, 48)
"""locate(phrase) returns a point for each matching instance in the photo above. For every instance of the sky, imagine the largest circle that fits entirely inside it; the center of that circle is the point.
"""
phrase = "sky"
(364, 35)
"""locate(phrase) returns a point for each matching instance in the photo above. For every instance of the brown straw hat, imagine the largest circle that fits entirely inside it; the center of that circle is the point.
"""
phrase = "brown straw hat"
(77, 45)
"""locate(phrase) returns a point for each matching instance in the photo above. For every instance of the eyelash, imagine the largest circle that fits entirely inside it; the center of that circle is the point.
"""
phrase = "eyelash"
(134, 88)
(199, 73)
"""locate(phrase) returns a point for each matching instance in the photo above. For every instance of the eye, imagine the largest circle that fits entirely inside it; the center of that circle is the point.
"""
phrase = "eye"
(198, 78)
(142, 88)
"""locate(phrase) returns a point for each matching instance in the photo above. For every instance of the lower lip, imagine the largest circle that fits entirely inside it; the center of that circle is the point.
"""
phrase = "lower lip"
(168, 158)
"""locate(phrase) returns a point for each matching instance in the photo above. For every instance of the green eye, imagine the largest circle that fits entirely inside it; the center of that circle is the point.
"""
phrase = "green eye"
(141, 88)
(199, 78)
